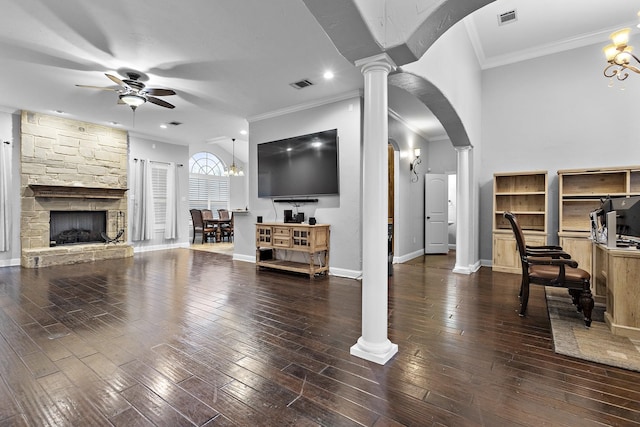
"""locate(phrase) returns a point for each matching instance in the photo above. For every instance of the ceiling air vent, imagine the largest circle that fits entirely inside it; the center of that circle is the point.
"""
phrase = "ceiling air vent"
(175, 123)
(301, 84)
(507, 17)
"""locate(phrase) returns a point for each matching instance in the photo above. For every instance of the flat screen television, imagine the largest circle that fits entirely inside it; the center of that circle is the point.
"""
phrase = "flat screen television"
(305, 165)
(627, 214)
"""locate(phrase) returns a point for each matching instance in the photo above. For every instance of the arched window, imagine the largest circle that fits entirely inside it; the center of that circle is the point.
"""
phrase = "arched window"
(208, 187)
(206, 164)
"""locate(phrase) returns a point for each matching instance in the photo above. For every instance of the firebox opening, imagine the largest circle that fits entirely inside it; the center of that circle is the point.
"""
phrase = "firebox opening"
(74, 227)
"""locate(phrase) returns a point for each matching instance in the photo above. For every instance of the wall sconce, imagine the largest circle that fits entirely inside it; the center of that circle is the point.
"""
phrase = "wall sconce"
(412, 166)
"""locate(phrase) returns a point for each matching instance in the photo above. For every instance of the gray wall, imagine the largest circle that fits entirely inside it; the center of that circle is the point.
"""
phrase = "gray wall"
(409, 216)
(141, 148)
(451, 65)
(552, 113)
(342, 212)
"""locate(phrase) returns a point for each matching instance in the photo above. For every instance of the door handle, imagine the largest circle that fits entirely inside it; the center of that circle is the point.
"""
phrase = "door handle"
(428, 217)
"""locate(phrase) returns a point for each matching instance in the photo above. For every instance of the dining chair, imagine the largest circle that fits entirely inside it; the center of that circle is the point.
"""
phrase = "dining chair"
(226, 228)
(199, 226)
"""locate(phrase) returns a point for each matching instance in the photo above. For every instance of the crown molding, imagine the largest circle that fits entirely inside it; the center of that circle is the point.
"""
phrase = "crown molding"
(582, 40)
(305, 106)
(393, 114)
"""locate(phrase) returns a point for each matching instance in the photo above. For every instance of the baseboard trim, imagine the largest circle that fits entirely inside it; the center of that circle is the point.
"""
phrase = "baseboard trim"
(408, 257)
(343, 272)
(10, 262)
(152, 248)
(244, 258)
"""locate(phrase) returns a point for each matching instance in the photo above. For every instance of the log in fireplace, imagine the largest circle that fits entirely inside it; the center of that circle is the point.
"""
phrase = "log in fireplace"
(74, 227)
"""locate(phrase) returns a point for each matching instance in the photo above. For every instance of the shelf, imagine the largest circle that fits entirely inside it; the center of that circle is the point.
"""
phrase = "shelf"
(296, 267)
(521, 193)
(525, 195)
(76, 192)
(582, 191)
(594, 196)
(590, 183)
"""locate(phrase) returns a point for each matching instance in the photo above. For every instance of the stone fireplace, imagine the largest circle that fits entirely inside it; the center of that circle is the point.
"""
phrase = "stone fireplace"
(77, 227)
(78, 170)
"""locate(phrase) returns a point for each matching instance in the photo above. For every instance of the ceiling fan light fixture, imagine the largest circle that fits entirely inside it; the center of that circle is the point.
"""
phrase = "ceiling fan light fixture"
(133, 100)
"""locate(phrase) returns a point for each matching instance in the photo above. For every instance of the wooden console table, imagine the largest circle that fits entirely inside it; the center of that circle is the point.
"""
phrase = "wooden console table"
(293, 247)
(617, 273)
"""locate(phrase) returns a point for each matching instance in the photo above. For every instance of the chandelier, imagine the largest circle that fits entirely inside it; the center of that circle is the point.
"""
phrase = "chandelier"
(619, 55)
(233, 170)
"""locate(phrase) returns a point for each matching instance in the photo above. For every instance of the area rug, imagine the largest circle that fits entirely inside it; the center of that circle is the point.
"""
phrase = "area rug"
(597, 344)
(224, 248)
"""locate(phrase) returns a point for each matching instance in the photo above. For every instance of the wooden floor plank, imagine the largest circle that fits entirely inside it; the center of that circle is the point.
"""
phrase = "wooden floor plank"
(182, 337)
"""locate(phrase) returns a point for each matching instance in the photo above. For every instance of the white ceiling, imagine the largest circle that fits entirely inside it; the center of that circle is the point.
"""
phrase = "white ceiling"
(233, 61)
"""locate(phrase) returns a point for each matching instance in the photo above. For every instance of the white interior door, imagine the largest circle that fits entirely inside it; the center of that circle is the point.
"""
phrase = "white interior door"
(436, 238)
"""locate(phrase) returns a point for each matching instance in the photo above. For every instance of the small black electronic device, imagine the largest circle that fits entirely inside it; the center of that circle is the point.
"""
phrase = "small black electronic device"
(288, 215)
(259, 220)
(312, 220)
(265, 254)
(299, 218)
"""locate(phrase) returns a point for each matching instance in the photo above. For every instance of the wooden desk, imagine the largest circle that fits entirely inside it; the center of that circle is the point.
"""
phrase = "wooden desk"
(617, 273)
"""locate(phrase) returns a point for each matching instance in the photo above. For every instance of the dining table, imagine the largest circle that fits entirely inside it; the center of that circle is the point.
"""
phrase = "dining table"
(217, 223)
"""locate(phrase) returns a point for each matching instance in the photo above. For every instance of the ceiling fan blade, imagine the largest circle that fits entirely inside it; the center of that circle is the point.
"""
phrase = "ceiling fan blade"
(116, 80)
(99, 87)
(154, 91)
(160, 102)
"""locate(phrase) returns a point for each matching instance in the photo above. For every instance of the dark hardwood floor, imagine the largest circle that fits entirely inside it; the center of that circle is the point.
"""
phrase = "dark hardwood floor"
(183, 337)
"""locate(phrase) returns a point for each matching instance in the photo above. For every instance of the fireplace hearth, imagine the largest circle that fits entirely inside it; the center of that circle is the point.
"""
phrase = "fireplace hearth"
(76, 227)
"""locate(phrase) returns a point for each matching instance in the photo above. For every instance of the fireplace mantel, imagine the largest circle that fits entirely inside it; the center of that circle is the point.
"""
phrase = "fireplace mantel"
(76, 192)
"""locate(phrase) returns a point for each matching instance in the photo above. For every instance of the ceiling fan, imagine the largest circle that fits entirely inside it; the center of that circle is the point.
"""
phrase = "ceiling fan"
(133, 92)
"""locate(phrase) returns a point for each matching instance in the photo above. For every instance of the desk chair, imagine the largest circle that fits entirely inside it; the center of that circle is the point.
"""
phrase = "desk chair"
(551, 266)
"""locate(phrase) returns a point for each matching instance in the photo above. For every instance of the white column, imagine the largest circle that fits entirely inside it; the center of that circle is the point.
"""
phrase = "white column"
(463, 214)
(374, 345)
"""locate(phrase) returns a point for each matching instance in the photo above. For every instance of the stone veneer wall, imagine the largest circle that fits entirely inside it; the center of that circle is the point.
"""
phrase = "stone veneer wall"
(58, 151)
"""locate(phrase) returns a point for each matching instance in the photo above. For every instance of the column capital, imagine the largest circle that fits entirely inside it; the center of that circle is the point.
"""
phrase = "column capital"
(463, 148)
(380, 61)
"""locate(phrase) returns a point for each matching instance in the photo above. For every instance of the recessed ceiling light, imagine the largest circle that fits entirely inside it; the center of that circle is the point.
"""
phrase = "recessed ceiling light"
(243, 132)
(328, 75)
(163, 125)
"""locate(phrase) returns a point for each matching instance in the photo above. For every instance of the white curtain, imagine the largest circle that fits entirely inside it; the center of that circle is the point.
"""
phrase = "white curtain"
(143, 213)
(5, 203)
(171, 226)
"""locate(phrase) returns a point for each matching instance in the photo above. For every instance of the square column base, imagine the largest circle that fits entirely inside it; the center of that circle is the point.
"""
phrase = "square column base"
(379, 358)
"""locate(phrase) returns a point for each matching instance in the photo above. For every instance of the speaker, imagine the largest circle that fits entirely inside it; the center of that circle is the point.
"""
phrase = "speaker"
(312, 220)
(259, 220)
(299, 218)
(265, 254)
(288, 215)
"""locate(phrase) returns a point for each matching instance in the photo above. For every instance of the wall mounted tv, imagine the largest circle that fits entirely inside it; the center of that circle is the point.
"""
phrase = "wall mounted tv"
(305, 165)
